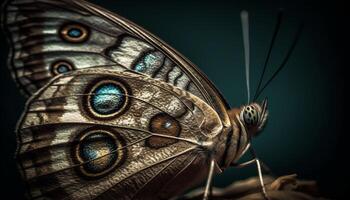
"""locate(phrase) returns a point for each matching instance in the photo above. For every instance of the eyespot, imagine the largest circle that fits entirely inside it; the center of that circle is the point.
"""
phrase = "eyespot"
(166, 125)
(98, 151)
(61, 67)
(106, 99)
(75, 33)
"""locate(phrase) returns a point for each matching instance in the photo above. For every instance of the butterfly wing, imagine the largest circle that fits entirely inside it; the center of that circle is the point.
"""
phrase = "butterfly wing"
(100, 134)
(50, 37)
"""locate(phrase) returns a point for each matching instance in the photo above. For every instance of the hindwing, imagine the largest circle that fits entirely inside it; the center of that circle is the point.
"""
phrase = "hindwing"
(97, 134)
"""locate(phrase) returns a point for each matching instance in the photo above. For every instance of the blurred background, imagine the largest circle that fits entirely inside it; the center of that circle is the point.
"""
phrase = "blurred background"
(304, 134)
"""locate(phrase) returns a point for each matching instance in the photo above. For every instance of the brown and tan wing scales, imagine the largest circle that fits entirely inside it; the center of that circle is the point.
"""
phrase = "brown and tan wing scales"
(50, 37)
(98, 134)
(43, 44)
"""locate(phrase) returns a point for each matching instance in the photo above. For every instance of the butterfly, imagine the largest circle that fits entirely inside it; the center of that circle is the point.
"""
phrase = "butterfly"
(113, 111)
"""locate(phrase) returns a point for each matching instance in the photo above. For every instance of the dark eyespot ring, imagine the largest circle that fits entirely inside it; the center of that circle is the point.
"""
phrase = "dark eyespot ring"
(61, 67)
(98, 152)
(74, 33)
(107, 98)
(163, 124)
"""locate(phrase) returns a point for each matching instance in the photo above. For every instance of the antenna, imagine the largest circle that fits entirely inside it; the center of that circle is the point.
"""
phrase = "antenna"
(277, 27)
(245, 31)
(284, 62)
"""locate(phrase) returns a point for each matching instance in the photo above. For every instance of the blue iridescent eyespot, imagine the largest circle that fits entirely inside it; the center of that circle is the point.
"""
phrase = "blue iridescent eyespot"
(61, 67)
(74, 33)
(107, 99)
(98, 151)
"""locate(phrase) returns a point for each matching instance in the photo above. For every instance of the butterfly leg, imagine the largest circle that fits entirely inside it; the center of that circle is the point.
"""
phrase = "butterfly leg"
(258, 165)
(263, 189)
(208, 186)
(265, 168)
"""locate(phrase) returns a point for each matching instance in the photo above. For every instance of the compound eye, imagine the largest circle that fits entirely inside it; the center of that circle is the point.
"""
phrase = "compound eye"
(250, 116)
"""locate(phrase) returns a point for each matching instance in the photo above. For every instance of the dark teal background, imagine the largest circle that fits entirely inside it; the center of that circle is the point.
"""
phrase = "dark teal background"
(306, 102)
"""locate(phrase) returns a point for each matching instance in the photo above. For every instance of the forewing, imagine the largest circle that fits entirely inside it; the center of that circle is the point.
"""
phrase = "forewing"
(102, 134)
(50, 37)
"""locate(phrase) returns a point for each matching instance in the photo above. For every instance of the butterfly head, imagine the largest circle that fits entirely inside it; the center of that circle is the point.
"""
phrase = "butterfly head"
(253, 117)
(247, 122)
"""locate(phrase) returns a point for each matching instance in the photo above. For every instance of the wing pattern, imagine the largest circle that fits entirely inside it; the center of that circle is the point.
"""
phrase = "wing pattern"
(114, 111)
(51, 37)
(66, 151)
